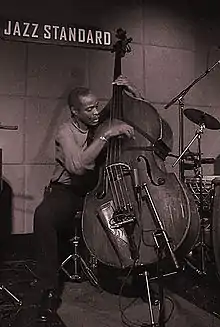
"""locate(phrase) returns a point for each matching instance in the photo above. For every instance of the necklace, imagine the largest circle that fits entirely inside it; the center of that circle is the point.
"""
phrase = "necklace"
(80, 129)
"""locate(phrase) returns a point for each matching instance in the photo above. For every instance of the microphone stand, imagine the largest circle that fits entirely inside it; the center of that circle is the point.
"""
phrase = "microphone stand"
(180, 98)
(162, 244)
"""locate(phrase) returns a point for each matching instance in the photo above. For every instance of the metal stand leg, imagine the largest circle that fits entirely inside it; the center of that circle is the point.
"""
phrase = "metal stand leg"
(4, 289)
(201, 212)
(160, 303)
(75, 276)
(149, 299)
(203, 247)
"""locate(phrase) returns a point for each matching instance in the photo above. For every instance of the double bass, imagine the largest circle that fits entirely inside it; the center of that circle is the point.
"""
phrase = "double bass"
(118, 222)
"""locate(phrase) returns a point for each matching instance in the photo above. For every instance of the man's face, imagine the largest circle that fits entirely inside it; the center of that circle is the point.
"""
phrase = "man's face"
(88, 110)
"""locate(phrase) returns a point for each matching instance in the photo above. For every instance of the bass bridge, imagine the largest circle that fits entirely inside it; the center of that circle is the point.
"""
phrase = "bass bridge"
(121, 217)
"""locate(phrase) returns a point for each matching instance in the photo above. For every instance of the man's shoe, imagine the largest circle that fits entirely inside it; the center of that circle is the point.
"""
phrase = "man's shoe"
(49, 304)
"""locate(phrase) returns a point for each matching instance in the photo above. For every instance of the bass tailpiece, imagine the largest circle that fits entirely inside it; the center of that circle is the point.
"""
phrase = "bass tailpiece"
(119, 178)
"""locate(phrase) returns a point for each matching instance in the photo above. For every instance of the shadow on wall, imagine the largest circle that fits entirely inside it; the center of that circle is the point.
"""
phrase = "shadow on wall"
(6, 196)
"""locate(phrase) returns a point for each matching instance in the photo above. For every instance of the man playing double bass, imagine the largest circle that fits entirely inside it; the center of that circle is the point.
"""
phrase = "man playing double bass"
(75, 174)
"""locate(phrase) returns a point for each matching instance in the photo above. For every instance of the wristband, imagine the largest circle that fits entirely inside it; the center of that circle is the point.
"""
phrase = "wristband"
(103, 138)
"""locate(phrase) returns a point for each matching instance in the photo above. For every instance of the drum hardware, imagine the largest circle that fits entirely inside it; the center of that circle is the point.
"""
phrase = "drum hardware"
(180, 98)
(197, 136)
(6, 290)
(204, 120)
(215, 225)
(76, 258)
(192, 182)
(194, 161)
(207, 189)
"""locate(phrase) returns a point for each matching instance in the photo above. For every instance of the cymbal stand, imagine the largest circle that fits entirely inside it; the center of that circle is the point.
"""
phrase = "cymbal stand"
(197, 136)
(181, 135)
(201, 244)
(201, 213)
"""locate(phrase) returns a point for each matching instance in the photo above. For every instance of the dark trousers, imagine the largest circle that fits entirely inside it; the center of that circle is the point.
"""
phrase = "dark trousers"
(54, 214)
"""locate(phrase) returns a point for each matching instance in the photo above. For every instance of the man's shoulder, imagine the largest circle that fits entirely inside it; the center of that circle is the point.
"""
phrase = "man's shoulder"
(67, 125)
(64, 128)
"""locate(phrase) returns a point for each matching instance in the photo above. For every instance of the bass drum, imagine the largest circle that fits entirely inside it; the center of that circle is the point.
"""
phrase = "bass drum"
(215, 224)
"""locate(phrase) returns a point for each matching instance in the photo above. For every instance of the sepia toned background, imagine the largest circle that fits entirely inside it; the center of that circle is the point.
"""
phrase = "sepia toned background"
(172, 45)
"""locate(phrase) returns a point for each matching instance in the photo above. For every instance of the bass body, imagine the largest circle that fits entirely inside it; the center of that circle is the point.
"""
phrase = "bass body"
(118, 222)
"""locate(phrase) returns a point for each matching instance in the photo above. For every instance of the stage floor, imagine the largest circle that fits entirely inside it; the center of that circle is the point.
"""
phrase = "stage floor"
(189, 299)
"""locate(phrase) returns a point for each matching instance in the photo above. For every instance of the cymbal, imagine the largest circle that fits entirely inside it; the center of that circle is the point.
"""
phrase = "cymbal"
(200, 117)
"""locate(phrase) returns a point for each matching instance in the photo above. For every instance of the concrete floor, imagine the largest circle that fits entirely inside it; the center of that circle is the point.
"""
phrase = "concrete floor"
(190, 300)
(85, 306)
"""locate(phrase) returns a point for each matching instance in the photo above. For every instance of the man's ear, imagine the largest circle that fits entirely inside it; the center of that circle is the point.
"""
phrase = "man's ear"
(73, 111)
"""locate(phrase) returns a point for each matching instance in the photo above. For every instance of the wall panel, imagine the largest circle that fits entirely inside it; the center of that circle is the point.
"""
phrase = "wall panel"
(172, 44)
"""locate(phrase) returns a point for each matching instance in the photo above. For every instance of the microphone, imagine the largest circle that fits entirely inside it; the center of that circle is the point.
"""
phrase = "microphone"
(136, 178)
(136, 186)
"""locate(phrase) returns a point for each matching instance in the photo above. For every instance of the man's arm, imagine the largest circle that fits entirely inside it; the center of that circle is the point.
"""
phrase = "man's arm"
(77, 160)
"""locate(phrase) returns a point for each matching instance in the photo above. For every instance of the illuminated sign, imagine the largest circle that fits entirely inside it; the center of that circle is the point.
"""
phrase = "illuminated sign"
(72, 35)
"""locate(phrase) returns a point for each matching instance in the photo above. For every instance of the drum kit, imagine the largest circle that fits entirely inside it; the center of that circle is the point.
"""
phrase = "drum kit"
(204, 190)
